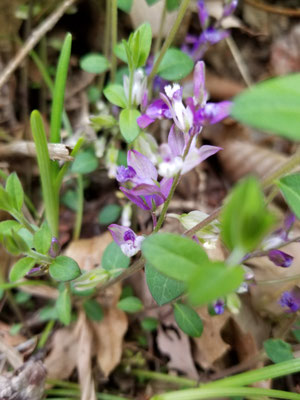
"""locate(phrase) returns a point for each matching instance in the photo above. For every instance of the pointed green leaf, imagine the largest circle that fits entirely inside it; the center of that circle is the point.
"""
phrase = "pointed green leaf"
(21, 268)
(188, 320)
(290, 188)
(15, 190)
(115, 94)
(162, 288)
(64, 306)
(94, 63)
(6, 202)
(278, 350)
(42, 239)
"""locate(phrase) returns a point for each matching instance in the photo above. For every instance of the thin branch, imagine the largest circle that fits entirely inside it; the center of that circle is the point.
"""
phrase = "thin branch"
(33, 39)
(290, 12)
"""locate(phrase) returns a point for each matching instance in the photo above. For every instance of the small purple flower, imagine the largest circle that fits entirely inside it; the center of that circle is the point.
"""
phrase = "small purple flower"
(128, 241)
(203, 14)
(281, 235)
(54, 248)
(280, 258)
(36, 271)
(172, 154)
(125, 174)
(158, 109)
(291, 300)
(219, 307)
(229, 8)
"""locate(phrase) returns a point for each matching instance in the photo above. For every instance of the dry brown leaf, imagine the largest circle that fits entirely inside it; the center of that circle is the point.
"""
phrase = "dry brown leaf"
(176, 345)
(109, 334)
(7, 338)
(41, 291)
(210, 347)
(88, 252)
(84, 333)
(62, 359)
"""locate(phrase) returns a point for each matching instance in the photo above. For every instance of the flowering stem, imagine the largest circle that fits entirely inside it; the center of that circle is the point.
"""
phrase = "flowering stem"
(114, 30)
(79, 211)
(181, 12)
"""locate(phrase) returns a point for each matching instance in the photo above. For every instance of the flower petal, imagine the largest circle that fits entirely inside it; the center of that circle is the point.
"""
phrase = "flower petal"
(145, 170)
(176, 142)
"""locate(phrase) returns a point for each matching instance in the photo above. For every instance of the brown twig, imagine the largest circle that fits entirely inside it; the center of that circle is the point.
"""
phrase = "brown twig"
(290, 12)
(33, 39)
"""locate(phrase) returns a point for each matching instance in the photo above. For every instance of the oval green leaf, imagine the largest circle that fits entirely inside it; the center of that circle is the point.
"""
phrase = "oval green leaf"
(290, 188)
(115, 94)
(175, 65)
(114, 258)
(64, 269)
(272, 106)
(94, 63)
(64, 306)
(188, 320)
(173, 255)
(130, 304)
(109, 214)
(128, 125)
(85, 162)
(15, 190)
(93, 310)
(162, 288)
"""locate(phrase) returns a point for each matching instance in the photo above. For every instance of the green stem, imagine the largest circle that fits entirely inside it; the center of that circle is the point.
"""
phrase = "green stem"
(45, 334)
(158, 376)
(284, 169)
(75, 392)
(50, 196)
(181, 12)
(106, 41)
(79, 212)
(161, 28)
(13, 285)
(23, 221)
(261, 374)
(197, 394)
(114, 33)
(40, 257)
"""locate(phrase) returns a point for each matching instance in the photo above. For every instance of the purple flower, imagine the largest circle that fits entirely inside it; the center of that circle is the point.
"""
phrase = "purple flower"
(191, 116)
(280, 258)
(125, 174)
(128, 241)
(281, 235)
(219, 307)
(147, 193)
(291, 300)
(54, 247)
(229, 8)
(156, 110)
(173, 151)
(203, 14)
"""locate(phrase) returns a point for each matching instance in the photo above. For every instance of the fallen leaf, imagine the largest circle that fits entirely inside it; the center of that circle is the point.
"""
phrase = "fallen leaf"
(210, 347)
(176, 345)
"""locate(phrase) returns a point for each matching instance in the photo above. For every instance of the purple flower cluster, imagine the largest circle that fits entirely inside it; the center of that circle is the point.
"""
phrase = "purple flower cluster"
(291, 300)
(192, 116)
(128, 241)
(196, 46)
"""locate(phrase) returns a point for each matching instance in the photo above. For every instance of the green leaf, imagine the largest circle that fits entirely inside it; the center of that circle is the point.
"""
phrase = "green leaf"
(173, 255)
(109, 214)
(278, 350)
(149, 324)
(93, 310)
(21, 268)
(162, 288)
(175, 65)
(47, 313)
(85, 162)
(103, 121)
(173, 5)
(93, 94)
(94, 63)
(59, 89)
(120, 52)
(15, 190)
(70, 199)
(140, 45)
(90, 279)
(151, 2)
(290, 188)
(245, 219)
(7, 226)
(188, 320)
(130, 304)
(64, 306)
(272, 106)
(125, 5)
(214, 281)
(114, 258)
(128, 125)
(42, 239)
(115, 94)
(20, 242)
(6, 202)
(64, 269)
